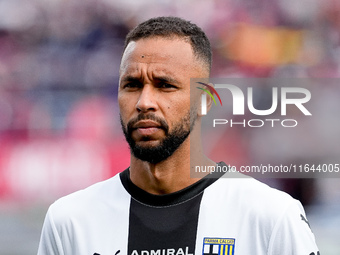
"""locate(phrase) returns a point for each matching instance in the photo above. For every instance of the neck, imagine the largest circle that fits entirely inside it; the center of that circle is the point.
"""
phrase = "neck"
(170, 175)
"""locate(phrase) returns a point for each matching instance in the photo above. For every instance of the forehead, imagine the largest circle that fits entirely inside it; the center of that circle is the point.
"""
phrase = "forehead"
(159, 54)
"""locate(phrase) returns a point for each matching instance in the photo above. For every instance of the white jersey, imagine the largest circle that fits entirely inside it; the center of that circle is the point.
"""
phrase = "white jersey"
(225, 216)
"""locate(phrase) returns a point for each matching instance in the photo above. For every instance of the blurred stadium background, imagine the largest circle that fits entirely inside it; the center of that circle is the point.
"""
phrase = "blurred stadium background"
(59, 123)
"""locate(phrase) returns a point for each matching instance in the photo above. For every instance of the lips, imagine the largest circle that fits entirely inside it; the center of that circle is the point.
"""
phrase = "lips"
(147, 127)
(146, 124)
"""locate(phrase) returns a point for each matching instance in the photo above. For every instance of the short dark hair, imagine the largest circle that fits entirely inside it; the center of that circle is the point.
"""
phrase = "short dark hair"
(174, 26)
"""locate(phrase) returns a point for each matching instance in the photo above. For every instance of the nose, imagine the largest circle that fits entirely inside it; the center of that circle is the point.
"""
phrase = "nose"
(147, 99)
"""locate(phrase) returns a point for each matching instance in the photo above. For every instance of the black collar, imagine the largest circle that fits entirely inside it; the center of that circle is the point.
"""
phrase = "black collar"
(168, 199)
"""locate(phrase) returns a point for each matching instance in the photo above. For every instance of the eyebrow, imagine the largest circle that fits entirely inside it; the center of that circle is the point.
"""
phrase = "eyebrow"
(130, 78)
(167, 79)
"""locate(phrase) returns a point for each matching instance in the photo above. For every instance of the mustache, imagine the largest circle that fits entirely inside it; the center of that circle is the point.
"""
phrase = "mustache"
(148, 116)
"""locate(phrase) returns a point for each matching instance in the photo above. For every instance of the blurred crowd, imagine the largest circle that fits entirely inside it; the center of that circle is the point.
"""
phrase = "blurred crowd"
(59, 62)
(59, 119)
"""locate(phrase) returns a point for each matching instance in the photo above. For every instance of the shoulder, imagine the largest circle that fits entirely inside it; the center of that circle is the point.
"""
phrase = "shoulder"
(249, 189)
(83, 202)
(251, 196)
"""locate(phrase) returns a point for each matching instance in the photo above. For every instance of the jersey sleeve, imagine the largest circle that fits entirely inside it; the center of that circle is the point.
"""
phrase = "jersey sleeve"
(50, 242)
(292, 234)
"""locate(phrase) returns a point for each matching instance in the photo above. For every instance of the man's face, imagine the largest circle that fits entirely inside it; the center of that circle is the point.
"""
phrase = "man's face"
(154, 96)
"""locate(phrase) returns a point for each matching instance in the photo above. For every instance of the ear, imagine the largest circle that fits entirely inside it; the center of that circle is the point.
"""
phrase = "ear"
(207, 98)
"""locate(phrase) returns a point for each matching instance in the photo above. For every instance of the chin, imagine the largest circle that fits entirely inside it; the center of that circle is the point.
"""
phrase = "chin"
(148, 144)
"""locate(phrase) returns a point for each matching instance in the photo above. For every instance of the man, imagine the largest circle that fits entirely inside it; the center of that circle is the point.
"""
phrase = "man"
(154, 207)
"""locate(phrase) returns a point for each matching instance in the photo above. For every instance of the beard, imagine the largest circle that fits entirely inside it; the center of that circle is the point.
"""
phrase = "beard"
(167, 146)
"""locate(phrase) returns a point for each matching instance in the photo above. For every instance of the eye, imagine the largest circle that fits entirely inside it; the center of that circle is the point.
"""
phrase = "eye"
(132, 85)
(166, 86)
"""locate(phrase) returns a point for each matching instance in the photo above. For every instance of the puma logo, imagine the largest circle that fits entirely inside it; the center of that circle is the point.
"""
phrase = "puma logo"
(305, 220)
(115, 253)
